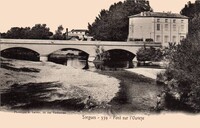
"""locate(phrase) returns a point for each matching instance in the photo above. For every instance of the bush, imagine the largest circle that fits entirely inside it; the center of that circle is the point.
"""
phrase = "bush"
(149, 54)
(182, 75)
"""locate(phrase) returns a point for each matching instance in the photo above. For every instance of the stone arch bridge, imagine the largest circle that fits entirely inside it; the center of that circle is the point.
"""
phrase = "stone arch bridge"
(46, 47)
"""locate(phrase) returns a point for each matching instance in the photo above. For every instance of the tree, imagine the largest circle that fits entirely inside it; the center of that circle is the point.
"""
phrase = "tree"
(181, 78)
(40, 31)
(58, 33)
(194, 25)
(182, 75)
(191, 9)
(149, 54)
(101, 54)
(18, 33)
(112, 24)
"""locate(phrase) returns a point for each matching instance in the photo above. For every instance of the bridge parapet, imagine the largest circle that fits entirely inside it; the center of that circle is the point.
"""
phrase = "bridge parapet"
(69, 42)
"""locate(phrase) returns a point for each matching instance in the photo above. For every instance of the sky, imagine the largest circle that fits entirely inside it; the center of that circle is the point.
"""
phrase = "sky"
(72, 14)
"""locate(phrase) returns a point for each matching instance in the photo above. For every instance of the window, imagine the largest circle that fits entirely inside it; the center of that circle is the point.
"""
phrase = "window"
(158, 20)
(158, 39)
(166, 27)
(182, 21)
(174, 21)
(174, 27)
(131, 27)
(182, 27)
(166, 20)
(166, 39)
(158, 27)
(174, 39)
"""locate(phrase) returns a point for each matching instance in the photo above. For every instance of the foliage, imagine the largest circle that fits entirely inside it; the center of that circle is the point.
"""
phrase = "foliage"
(192, 10)
(182, 75)
(39, 31)
(58, 33)
(169, 51)
(101, 54)
(17, 33)
(194, 25)
(149, 54)
(112, 24)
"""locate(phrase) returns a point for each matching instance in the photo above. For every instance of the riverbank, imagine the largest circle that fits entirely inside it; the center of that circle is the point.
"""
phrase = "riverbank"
(147, 72)
(137, 93)
(39, 85)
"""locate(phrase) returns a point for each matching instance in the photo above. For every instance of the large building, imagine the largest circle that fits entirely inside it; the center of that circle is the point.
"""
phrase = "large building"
(158, 27)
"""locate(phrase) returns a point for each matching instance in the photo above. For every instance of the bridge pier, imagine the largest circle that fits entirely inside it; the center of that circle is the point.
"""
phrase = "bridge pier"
(91, 58)
(43, 58)
(135, 61)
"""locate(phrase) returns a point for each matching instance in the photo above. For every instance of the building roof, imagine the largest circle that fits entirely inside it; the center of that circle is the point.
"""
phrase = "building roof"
(160, 15)
(78, 30)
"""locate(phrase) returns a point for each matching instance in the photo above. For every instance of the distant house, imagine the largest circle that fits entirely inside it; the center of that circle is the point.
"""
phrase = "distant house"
(80, 33)
(162, 27)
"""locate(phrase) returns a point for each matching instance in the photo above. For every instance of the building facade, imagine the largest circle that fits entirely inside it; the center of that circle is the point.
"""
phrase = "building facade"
(80, 33)
(158, 27)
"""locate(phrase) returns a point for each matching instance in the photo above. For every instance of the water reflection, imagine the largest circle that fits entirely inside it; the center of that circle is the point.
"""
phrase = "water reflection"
(80, 63)
(113, 65)
(77, 63)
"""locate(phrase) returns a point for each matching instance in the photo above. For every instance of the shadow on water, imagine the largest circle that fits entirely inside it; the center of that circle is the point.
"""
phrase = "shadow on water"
(113, 65)
(33, 96)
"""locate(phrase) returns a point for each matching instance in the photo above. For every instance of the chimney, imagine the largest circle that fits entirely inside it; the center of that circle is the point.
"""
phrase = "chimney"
(67, 33)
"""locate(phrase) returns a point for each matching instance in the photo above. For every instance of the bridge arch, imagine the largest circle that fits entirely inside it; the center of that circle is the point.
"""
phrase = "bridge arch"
(130, 49)
(67, 53)
(64, 51)
(114, 58)
(21, 53)
(74, 57)
(121, 54)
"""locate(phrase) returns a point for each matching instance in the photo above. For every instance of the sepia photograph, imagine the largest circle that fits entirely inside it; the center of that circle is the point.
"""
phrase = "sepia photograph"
(136, 62)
